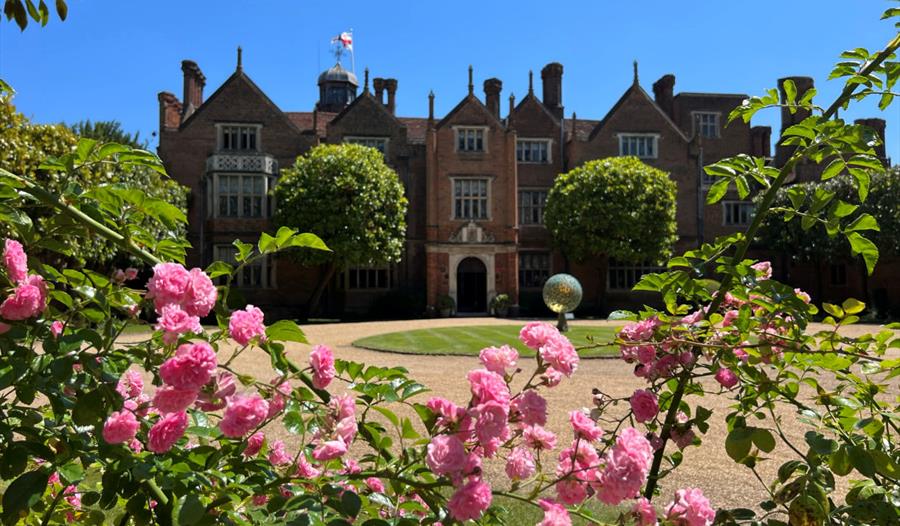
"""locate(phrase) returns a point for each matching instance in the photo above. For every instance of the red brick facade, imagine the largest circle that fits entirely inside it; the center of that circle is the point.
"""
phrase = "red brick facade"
(475, 181)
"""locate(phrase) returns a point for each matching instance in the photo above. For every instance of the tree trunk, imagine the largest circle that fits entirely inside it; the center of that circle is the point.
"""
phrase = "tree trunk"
(312, 306)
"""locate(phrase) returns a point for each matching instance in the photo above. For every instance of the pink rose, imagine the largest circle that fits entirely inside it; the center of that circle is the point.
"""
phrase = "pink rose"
(28, 300)
(532, 407)
(726, 378)
(15, 260)
(690, 508)
(693, 318)
(802, 295)
(214, 394)
(571, 491)
(242, 414)
(168, 284)
(56, 328)
(321, 359)
(170, 399)
(560, 355)
(520, 464)
(120, 427)
(552, 377)
(254, 444)
(499, 359)
(584, 427)
(329, 450)
(491, 421)
(729, 317)
(277, 455)
(305, 469)
(245, 325)
(470, 501)
(199, 294)
(130, 384)
(448, 412)
(644, 405)
(175, 321)
(346, 429)
(487, 386)
(343, 406)
(191, 368)
(131, 273)
(4, 327)
(644, 512)
(119, 276)
(166, 432)
(536, 334)
(554, 514)
(375, 485)
(763, 270)
(445, 455)
(640, 331)
(536, 437)
(627, 464)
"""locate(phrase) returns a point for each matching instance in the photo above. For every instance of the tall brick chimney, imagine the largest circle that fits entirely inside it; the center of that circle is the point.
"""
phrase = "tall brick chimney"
(878, 126)
(194, 80)
(552, 77)
(378, 84)
(664, 93)
(803, 84)
(492, 88)
(761, 141)
(390, 85)
(169, 111)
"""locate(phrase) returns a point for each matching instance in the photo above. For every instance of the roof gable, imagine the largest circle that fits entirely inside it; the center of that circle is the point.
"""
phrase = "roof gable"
(473, 102)
(240, 85)
(635, 94)
(366, 106)
(531, 106)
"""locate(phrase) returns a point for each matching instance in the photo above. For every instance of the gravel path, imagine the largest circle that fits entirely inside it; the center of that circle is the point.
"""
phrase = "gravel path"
(707, 467)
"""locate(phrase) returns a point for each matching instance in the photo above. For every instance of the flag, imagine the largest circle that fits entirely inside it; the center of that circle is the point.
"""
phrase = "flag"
(345, 39)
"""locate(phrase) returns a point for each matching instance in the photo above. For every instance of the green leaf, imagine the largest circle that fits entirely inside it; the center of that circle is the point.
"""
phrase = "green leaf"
(717, 191)
(286, 330)
(834, 168)
(307, 240)
(763, 439)
(853, 306)
(862, 461)
(865, 247)
(863, 222)
(72, 472)
(790, 92)
(266, 243)
(219, 268)
(350, 503)
(89, 408)
(188, 510)
(839, 461)
(738, 443)
(22, 494)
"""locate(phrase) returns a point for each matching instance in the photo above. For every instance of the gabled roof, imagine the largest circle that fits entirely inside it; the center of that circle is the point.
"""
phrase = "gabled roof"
(583, 128)
(530, 98)
(719, 95)
(416, 127)
(469, 99)
(365, 98)
(637, 90)
(304, 120)
(240, 76)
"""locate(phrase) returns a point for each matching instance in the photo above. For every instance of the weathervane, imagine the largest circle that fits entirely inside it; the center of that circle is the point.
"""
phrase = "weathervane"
(344, 42)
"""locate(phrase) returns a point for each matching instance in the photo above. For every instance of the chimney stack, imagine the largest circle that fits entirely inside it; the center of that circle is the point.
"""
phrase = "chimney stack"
(492, 88)
(788, 119)
(761, 141)
(390, 85)
(878, 126)
(664, 93)
(378, 84)
(194, 81)
(552, 77)
(169, 111)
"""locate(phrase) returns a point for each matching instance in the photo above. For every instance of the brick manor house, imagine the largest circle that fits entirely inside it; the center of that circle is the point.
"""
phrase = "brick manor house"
(476, 179)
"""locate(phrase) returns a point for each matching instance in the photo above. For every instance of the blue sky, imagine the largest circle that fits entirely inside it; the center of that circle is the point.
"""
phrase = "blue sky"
(110, 59)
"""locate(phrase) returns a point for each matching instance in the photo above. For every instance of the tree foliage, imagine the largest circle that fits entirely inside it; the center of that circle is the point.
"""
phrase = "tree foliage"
(20, 11)
(349, 197)
(618, 206)
(809, 239)
(108, 131)
(24, 145)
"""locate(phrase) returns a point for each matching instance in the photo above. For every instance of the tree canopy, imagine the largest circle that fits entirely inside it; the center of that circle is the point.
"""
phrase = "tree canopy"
(809, 240)
(618, 206)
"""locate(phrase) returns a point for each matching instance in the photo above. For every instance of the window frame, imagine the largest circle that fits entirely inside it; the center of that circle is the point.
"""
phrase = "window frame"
(266, 264)
(388, 276)
(695, 116)
(464, 128)
(548, 144)
(362, 140)
(267, 202)
(654, 137)
(521, 205)
(220, 137)
(637, 272)
(487, 198)
(732, 202)
(523, 270)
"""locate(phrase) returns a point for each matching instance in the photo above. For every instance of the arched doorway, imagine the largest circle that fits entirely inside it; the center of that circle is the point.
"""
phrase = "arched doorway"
(471, 286)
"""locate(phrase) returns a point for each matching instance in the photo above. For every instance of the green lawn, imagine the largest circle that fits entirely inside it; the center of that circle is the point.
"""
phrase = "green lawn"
(468, 341)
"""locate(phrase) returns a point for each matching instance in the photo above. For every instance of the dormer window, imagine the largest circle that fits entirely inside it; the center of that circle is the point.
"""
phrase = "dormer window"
(641, 145)
(470, 139)
(238, 138)
(706, 124)
(379, 143)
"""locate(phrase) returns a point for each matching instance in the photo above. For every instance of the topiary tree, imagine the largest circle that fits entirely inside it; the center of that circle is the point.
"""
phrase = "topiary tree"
(618, 206)
(350, 198)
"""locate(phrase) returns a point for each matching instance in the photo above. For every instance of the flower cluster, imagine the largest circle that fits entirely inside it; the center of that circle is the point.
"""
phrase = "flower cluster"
(28, 298)
(181, 298)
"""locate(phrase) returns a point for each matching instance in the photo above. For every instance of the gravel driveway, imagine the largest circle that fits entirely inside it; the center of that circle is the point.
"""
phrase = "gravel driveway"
(707, 467)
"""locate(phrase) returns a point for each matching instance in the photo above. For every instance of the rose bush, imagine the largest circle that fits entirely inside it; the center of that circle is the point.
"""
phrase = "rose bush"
(98, 429)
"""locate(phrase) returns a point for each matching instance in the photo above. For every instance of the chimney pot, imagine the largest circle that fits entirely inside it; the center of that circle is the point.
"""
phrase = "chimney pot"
(378, 84)
(390, 85)
(194, 81)
(664, 93)
(492, 88)
(551, 76)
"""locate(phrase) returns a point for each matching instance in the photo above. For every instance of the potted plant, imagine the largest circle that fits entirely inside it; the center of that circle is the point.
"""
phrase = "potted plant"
(500, 305)
(445, 305)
